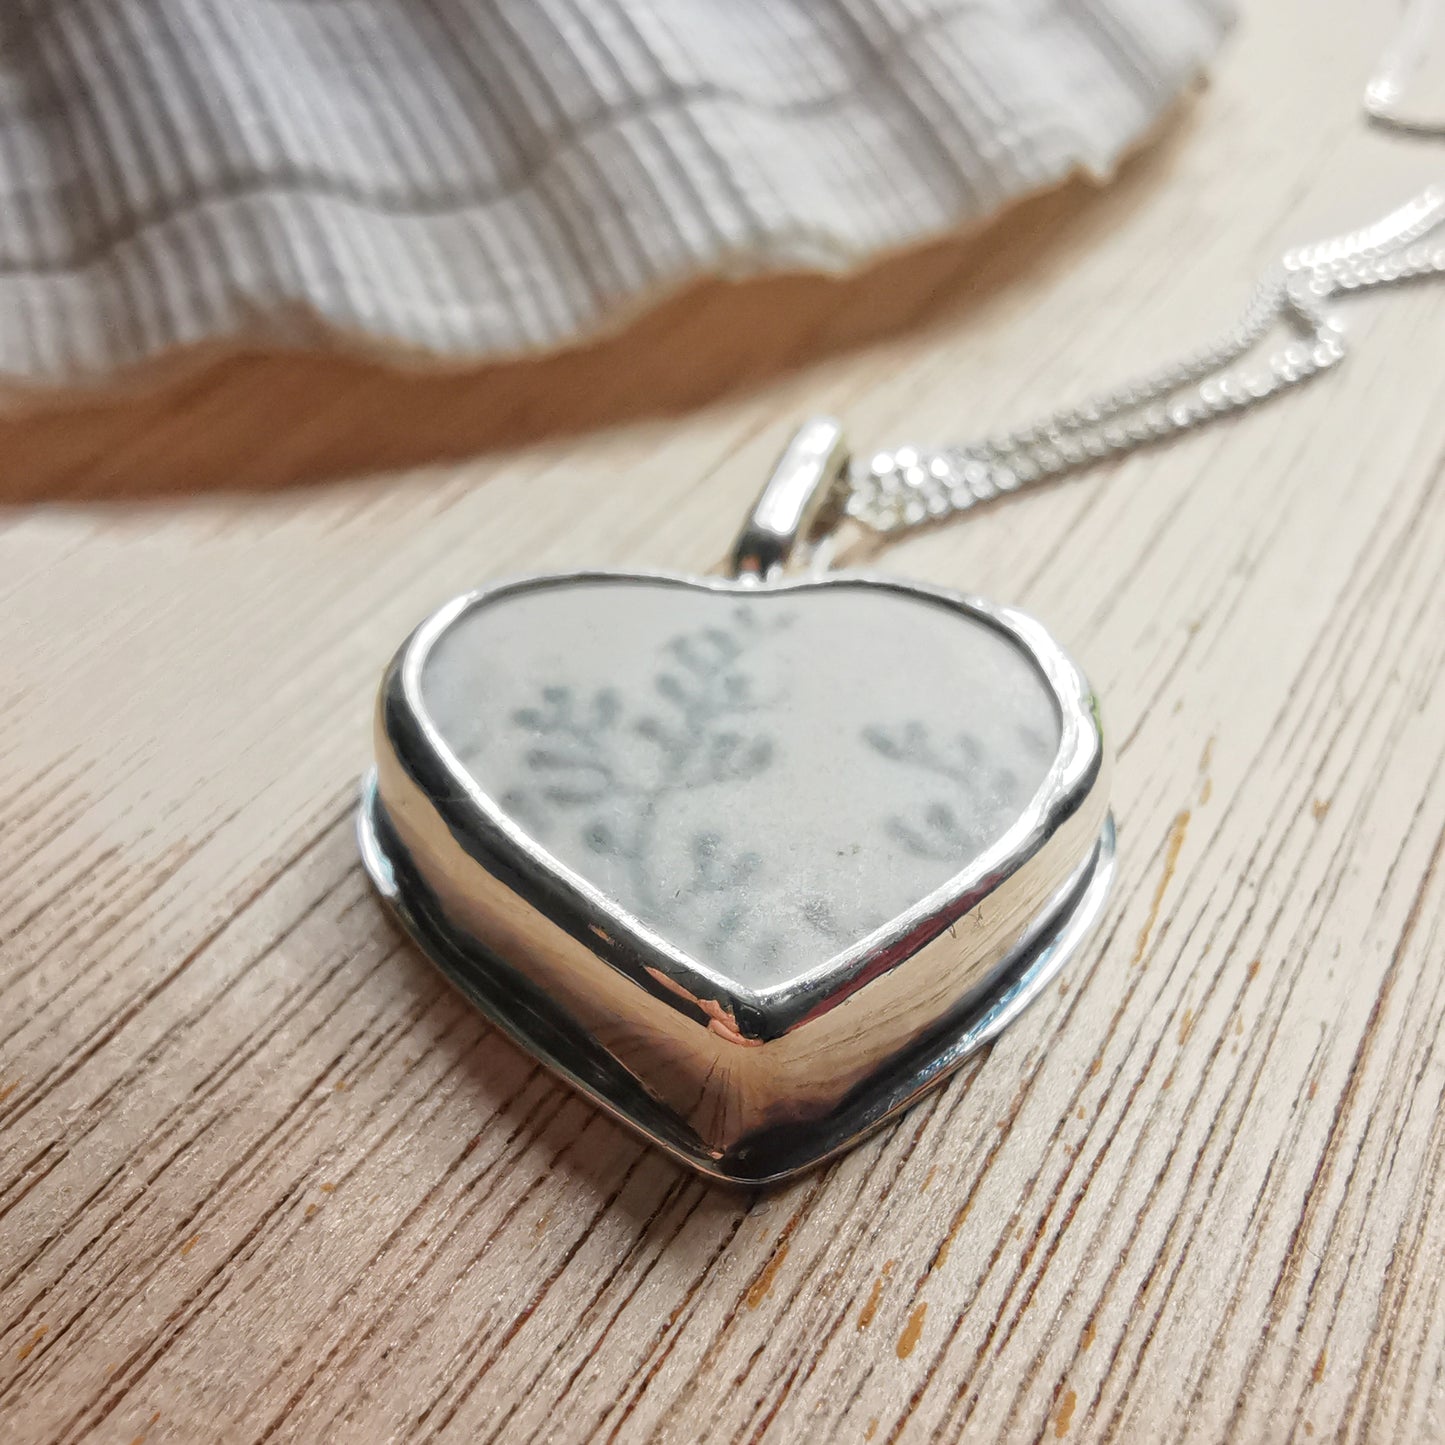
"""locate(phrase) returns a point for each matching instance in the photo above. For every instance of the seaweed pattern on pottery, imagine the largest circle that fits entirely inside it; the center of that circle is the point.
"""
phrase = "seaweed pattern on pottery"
(939, 831)
(705, 728)
(602, 767)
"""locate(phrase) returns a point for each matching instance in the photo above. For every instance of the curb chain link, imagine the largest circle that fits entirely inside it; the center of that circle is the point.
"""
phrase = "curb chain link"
(912, 487)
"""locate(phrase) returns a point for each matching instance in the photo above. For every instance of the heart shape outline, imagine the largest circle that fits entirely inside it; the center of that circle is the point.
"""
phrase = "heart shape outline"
(1067, 819)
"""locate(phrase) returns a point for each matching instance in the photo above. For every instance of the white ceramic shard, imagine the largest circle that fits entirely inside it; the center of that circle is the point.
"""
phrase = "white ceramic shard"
(761, 783)
(742, 861)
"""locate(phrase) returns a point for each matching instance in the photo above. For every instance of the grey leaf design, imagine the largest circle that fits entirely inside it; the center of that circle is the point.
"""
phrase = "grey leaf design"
(568, 796)
(592, 754)
(553, 760)
(600, 838)
(745, 867)
(914, 840)
(684, 650)
(652, 729)
(739, 691)
(570, 779)
(940, 818)
(757, 758)
(724, 645)
(670, 686)
(731, 756)
(965, 766)
(729, 922)
(606, 708)
(704, 858)
(883, 743)
(969, 751)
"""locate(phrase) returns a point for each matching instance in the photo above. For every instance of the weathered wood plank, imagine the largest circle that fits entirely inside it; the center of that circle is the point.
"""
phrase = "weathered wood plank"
(262, 1176)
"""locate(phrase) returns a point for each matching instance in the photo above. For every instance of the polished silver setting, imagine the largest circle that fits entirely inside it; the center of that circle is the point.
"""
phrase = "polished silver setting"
(747, 1085)
(793, 508)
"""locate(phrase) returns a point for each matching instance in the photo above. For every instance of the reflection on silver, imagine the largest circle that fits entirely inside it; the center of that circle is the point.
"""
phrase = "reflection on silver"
(792, 510)
(747, 1082)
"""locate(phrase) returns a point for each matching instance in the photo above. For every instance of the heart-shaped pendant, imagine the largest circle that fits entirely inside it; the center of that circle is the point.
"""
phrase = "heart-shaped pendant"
(752, 863)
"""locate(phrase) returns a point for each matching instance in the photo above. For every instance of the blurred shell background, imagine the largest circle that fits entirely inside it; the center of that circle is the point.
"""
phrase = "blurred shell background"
(466, 178)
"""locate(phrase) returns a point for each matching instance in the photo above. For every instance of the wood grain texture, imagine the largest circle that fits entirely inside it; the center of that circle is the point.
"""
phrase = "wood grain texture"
(263, 1177)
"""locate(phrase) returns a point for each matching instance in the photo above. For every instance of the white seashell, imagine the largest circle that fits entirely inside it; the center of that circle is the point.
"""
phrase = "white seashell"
(491, 178)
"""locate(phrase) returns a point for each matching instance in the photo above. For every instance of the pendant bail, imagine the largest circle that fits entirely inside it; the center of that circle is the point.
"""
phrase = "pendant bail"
(794, 507)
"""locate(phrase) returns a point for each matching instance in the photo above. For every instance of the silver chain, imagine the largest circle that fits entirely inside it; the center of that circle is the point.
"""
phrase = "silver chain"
(911, 487)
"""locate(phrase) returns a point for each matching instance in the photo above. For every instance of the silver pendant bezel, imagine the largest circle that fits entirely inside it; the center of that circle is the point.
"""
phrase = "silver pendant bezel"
(1063, 845)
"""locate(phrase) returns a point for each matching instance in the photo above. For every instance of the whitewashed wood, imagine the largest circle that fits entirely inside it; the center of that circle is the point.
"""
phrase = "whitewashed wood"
(264, 1177)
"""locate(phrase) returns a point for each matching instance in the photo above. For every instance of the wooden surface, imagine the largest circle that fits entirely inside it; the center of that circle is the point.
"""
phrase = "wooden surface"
(263, 1177)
